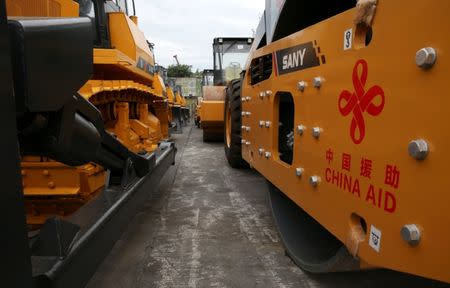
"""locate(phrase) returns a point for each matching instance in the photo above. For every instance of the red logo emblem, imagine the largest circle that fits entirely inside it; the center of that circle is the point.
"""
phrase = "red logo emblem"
(360, 101)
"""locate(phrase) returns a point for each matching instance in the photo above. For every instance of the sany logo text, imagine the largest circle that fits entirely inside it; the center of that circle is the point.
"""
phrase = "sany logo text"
(294, 59)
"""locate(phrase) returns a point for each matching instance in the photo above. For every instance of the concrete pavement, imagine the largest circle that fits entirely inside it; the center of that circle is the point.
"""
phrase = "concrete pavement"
(210, 226)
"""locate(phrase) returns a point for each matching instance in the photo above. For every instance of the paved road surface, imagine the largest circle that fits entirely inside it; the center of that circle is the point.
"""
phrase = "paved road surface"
(210, 226)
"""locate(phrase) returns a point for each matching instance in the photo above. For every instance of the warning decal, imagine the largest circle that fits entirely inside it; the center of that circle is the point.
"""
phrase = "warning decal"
(348, 39)
(375, 238)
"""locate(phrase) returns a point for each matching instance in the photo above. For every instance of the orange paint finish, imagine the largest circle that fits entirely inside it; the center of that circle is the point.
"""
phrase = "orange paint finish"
(396, 102)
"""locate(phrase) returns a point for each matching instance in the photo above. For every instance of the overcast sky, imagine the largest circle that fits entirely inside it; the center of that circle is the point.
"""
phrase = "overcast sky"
(187, 27)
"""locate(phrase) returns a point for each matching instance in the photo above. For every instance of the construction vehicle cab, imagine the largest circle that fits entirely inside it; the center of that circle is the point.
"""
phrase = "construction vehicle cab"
(208, 77)
(229, 57)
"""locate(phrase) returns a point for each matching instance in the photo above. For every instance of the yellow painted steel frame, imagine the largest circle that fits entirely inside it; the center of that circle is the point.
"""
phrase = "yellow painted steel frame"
(366, 172)
(211, 112)
(178, 99)
(170, 101)
(183, 101)
(211, 115)
(161, 106)
(69, 187)
(125, 70)
(170, 95)
(130, 59)
(42, 8)
(126, 38)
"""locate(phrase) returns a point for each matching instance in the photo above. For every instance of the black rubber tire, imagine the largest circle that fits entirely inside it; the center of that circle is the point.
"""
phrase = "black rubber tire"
(233, 152)
(306, 241)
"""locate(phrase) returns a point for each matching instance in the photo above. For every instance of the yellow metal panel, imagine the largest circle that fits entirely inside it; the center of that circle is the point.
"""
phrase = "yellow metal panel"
(42, 8)
(388, 187)
(170, 96)
(103, 58)
(212, 111)
(140, 128)
(178, 99)
(121, 36)
(183, 101)
(126, 37)
(159, 87)
(49, 178)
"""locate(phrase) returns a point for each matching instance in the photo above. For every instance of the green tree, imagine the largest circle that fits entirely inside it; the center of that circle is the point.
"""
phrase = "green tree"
(198, 74)
(179, 71)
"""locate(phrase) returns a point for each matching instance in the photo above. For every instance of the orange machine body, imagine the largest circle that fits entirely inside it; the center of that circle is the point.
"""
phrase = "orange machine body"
(352, 131)
(211, 112)
(124, 87)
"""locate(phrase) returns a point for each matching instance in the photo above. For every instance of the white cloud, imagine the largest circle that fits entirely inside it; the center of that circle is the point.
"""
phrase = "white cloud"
(187, 28)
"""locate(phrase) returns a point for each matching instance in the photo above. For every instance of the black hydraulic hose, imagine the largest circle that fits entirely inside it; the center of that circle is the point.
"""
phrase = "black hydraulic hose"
(109, 160)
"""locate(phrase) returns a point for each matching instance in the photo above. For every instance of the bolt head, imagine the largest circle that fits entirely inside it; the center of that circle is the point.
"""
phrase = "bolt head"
(262, 94)
(267, 154)
(247, 143)
(301, 129)
(268, 93)
(418, 149)
(243, 127)
(247, 129)
(317, 82)
(248, 113)
(260, 151)
(301, 86)
(299, 171)
(243, 141)
(248, 98)
(243, 113)
(426, 57)
(314, 180)
(411, 234)
(316, 132)
(268, 123)
(262, 123)
(243, 99)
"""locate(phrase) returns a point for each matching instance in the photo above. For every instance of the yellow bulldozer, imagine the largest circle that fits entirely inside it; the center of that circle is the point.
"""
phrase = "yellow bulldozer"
(338, 108)
(178, 109)
(229, 56)
(184, 109)
(92, 126)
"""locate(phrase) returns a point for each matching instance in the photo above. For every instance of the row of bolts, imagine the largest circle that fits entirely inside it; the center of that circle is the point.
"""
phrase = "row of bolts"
(418, 149)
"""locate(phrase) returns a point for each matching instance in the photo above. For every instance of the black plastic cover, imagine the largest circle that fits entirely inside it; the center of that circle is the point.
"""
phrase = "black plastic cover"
(16, 264)
(52, 58)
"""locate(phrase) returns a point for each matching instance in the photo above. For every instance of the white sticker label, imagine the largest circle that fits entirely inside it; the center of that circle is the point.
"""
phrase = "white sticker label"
(348, 39)
(375, 238)
(240, 46)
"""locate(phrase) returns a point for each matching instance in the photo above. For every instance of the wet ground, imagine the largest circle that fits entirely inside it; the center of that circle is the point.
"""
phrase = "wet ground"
(211, 226)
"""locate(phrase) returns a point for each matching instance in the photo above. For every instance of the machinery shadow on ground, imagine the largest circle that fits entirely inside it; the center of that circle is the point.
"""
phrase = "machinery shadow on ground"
(373, 279)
